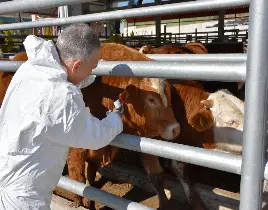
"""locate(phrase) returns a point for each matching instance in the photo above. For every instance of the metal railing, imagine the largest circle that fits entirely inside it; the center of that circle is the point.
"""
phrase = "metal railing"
(255, 71)
(105, 198)
(175, 8)
(27, 5)
(215, 70)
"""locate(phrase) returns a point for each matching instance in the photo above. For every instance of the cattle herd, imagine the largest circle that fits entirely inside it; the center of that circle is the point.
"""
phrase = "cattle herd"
(209, 115)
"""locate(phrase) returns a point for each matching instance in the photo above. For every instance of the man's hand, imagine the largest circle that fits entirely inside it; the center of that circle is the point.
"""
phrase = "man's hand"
(119, 108)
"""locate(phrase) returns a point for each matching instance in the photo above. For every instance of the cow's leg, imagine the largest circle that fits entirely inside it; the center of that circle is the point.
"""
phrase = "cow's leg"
(76, 171)
(156, 176)
(192, 197)
(90, 170)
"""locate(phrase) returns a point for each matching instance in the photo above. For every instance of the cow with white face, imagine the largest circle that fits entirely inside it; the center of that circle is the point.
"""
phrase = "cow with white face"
(228, 113)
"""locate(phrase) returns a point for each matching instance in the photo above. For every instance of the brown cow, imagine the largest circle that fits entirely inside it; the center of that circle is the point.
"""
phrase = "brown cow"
(148, 113)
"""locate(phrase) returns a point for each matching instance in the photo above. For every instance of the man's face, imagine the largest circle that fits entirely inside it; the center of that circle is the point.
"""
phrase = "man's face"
(81, 70)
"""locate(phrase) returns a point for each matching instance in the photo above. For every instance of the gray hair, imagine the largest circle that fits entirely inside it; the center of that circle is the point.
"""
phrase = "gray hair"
(77, 41)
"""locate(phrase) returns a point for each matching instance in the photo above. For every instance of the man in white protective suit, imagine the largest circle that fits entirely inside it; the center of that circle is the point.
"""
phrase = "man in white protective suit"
(43, 114)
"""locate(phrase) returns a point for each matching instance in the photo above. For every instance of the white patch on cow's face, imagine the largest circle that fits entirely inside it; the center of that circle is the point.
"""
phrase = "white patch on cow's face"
(159, 86)
(227, 110)
(228, 113)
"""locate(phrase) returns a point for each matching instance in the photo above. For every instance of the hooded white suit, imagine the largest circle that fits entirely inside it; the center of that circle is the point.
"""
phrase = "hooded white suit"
(42, 115)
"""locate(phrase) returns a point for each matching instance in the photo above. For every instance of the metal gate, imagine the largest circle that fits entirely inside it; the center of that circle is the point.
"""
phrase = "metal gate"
(253, 68)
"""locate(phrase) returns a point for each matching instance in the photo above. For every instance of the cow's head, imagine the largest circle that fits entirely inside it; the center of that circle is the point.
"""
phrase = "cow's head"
(228, 113)
(227, 110)
(149, 109)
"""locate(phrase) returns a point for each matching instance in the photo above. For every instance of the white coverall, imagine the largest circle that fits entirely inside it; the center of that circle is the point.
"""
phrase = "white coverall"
(42, 115)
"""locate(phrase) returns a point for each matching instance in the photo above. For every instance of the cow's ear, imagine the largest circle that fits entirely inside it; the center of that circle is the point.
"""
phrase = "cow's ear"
(207, 103)
(202, 121)
(129, 94)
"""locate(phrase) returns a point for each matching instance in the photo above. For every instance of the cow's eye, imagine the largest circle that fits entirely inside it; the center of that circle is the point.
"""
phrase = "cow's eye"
(151, 100)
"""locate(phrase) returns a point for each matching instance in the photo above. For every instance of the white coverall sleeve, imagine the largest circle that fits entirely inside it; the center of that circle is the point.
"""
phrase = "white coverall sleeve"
(78, 128)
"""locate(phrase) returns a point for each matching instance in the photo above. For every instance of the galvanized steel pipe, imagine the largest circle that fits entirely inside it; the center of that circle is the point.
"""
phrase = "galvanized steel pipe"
(193, 155)
(34, 5)
(233, 57)
(256, 110)
(190, 70)
(100, 196)
(212, 71)
(168, 9)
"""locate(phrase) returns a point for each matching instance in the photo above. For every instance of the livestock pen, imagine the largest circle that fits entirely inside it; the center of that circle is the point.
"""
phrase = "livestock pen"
(253, 69)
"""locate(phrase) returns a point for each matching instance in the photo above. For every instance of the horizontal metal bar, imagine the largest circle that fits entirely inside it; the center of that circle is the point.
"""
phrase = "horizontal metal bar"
(10, 66)
(234, 57)
(33, 5)
(193, 155)
(168, 9)
(100, 196)
(211, 71)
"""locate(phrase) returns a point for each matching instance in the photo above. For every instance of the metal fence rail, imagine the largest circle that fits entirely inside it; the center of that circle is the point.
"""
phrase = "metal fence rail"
(197, 68)
(235, 57)
(255, 126)
(215, 70)
(27, 5)
(184, 7)
(105, 198)
(202, 157)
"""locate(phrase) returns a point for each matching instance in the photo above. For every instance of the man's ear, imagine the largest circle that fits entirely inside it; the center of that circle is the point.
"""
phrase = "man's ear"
(76, 65)
(129, 94)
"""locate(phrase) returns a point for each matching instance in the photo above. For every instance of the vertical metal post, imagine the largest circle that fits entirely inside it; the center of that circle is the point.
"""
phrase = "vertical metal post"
(158, 25)
(221, 24)
(63, 11)
(127, 28)
(179, 30)
(165, 33)
(255, 127)
(106, 34)
(158, 29)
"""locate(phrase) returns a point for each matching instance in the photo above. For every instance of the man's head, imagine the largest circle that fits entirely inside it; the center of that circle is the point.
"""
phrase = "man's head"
(79, 49)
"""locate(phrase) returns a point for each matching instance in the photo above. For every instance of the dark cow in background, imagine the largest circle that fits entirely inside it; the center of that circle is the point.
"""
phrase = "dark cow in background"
(198, 48)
